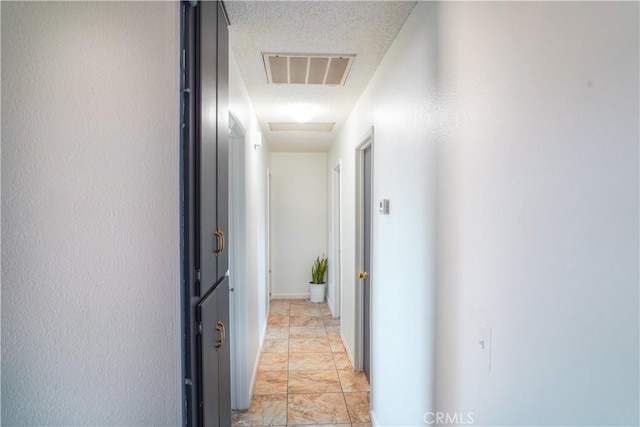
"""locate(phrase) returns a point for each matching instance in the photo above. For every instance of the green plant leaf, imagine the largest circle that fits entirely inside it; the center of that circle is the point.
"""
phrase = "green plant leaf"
(319, 269)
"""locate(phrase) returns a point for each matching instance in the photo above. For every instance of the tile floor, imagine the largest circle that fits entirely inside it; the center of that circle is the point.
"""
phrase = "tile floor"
(304, 376)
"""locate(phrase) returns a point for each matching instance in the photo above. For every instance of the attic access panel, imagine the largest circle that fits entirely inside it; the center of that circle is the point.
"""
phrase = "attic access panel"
(306, 68)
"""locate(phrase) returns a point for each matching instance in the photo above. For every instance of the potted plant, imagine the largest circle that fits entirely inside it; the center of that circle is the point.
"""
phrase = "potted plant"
(317, 284)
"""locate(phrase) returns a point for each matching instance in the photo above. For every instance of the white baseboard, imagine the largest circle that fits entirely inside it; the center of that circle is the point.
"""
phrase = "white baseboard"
(263, 333)
(331, 308)
(254, 374)
(346, 347)
(290, 296)
(374, 419)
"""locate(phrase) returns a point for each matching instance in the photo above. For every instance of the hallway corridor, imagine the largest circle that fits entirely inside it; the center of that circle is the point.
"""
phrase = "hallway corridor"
(304, 376)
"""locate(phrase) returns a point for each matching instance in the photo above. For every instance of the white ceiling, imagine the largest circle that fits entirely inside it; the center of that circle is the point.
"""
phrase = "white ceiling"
(364, 28)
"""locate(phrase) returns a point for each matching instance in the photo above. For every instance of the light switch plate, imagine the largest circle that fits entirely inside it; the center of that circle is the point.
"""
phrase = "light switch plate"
(384, 206)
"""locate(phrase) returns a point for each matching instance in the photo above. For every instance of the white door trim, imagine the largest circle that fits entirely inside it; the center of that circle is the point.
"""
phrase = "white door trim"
(238, 299)
(365, 142)
(336, 241)
(268, 245)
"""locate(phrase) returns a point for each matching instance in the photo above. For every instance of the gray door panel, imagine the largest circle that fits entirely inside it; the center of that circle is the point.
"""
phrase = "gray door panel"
(224, 356)
(207, 106)
(223, 139)
(209, 337)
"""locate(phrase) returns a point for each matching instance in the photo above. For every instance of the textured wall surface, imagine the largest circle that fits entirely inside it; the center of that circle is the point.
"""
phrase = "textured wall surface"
(298, 220)
(524, 219)
(251, 294)
(396, 103)
(90, 214)
(538, 212)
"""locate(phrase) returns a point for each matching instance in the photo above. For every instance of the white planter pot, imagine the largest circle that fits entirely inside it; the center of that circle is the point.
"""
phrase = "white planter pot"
(316, 292)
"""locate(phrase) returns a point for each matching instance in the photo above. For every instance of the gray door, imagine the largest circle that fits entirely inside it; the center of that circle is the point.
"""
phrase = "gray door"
(224, 356)
(366, 221)
(210, 240)
(222, 106)
(210, 340)
(205, 204)
(215, 357)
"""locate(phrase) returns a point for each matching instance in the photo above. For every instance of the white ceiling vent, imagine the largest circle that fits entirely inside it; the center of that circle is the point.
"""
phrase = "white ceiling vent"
(301, 127)
(307, 68)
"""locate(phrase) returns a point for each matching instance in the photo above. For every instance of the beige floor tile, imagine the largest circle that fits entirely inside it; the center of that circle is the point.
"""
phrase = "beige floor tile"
(305, 377)
(278, 320)
(265, 410)
(314, 382)
(353, 381)
(311, 361)
(333, 331)
(279, 309)
(307, 303)
(277, 332)
(336, 345)
(276, 345)
(320, 305)
(342, 361)
(319, 425)
(301, 304)
(273, 362)
(317, 408)
(302, 310)
(313, 322)
(331, 321)
(307, 332)
(271, 382)
(358, 406)
(309, 345)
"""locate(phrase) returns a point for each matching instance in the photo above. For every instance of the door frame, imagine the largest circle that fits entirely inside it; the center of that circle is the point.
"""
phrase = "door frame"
(189, 294)
(268, 243)
(366, 141)
(336, 246)
(240, 387)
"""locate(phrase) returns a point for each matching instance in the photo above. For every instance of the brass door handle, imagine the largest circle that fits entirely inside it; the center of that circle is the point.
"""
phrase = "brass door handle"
(221, 334)
(220, 241)
(363, 275)
(224, 333)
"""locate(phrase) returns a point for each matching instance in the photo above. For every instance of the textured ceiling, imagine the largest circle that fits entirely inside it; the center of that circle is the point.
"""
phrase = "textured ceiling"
(364, 28)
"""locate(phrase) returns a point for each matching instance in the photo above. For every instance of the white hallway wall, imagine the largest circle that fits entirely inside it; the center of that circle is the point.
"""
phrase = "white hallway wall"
(90, 224)
(298, 220)
(397, 103)
(535, 124)
(252, 294)
(539, 212)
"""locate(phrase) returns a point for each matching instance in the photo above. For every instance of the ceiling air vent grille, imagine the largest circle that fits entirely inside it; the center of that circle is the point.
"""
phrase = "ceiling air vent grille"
(305, 68)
